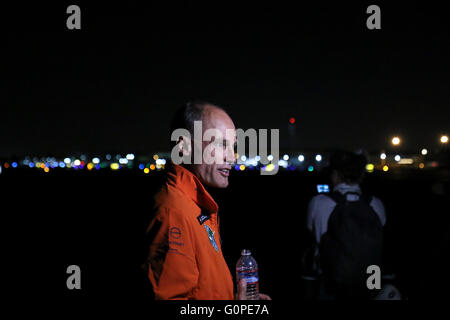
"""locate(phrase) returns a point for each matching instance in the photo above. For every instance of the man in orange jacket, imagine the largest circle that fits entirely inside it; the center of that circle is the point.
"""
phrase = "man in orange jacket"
(185, 259)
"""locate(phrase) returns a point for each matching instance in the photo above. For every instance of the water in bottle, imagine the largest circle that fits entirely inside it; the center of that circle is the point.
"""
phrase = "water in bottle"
(247, 268)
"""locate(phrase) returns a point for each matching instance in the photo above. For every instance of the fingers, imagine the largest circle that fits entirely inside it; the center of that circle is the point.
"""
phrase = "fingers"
(263, 296)
(242, 295)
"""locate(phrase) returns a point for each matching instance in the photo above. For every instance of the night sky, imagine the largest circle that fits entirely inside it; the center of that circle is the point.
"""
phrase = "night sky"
(113, 85)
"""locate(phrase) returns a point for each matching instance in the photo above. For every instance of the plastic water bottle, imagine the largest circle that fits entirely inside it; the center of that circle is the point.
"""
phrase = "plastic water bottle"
(247, 268)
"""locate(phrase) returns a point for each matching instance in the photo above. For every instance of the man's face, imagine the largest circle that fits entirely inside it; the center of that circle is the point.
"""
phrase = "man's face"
(216, 174)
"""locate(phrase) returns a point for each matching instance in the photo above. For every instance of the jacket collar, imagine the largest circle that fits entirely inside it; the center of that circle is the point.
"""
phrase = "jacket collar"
(190, 185)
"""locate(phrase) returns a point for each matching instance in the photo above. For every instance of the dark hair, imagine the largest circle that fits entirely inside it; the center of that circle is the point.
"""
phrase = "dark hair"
(185, 116)
(348, 165)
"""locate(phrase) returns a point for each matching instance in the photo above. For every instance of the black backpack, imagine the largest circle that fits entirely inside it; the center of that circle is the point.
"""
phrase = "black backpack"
(353, 242)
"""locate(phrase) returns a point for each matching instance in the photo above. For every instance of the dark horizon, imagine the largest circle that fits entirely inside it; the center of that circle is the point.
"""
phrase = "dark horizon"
(113, 85)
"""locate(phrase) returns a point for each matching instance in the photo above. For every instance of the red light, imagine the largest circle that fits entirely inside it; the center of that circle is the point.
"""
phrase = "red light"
(292, 120)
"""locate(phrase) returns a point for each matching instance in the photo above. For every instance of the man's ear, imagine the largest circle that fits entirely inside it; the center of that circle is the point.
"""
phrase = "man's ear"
(184, 146)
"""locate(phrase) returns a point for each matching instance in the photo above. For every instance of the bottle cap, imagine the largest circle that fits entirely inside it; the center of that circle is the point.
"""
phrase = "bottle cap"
(246, 252)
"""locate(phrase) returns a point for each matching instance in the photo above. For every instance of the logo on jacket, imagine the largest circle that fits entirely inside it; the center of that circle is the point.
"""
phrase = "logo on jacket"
(211, 237)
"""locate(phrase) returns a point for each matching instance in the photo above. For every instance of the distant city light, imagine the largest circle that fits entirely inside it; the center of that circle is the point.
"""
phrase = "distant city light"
(383, 156)
(285, 157)
(242, 167)
(46, 169)
(270, 157)
(14, 164)
(96, 161)
(318, 158)
(301, 158)
(146, 170)
(291, 120)
(76, 162)
(397, 158)
(152, 167)
(67, 160)
(406, 161)
(370, 167)
(62, 164)
(155, 157)
(141, 166)
(424, 152)
(130, 156)
(310, 168)
(444, 139)
(114, 166)
(421, 165)
(395, 141)
(270, 167)
(123, 160)
(108, 157)
(385, 168)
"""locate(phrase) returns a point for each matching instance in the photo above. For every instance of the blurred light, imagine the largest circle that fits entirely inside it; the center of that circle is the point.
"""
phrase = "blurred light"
(310, 168)
(130, 156)
(383, 156)
(395, 141)
(160, 162)
(270, 157)
(152, 167)
(43, 165)
(114, 166)
(421, 166)
(62, 164)
(83, 157)
(118, 156)
(301, 158)
(76, 162)
(67, 160)
(370, 167)
(285, 157)
(257, 158)
(243, 158)
(97, 167)
(318, 158)
(146, 170)
(155, 157)
(14, 164)
(123, 160)
(96, 161)
(270, 167)
(141, 166)
(236, 167)
(46, 169)
(90, 166)
(108, 157)
(434, 164)
(0, 169)
(31, 164)
(397, 158)
(242, 167)
(6, 165)
(283, 163)
(406, 161)
(444, 139)
(424, 152)
(291, 120)
(385, 168)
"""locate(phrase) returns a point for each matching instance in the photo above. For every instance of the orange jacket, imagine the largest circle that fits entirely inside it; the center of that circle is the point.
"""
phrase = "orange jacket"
(185, 259)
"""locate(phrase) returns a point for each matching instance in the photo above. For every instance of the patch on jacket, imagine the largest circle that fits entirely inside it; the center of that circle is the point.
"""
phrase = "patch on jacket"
(203, 217)
(211, 237)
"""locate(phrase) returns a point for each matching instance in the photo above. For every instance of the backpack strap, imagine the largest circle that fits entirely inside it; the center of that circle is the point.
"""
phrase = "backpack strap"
(337, 197)
(340, 198)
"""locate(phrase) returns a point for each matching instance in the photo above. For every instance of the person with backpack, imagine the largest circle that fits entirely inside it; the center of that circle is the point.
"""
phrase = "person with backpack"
(347, 231)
